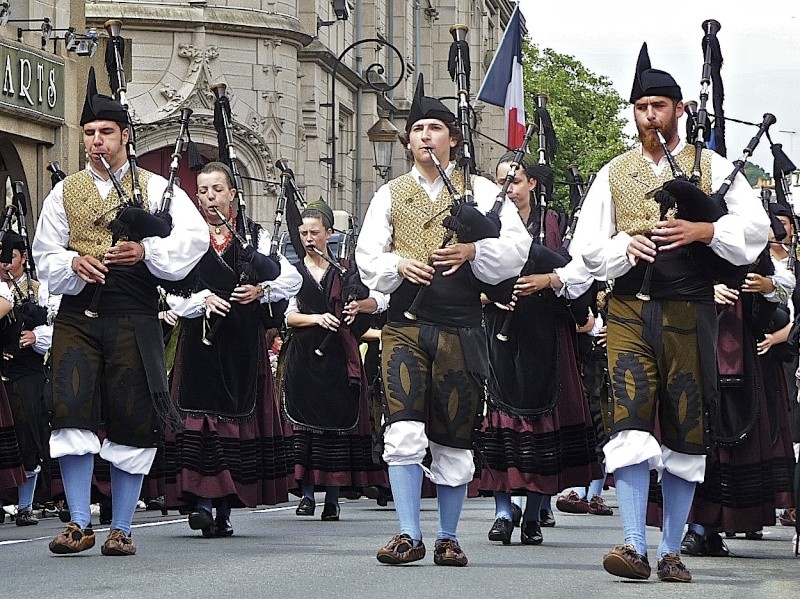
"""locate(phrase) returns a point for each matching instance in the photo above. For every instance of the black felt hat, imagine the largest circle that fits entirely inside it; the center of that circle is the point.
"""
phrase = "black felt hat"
(648, 81)
(778, 209)
(15, 241)
(97, 107)
(423, 107)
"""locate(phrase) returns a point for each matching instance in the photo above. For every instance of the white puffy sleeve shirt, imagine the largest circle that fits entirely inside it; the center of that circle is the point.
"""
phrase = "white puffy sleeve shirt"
(496, 259)
(170, 258)
(739, 236)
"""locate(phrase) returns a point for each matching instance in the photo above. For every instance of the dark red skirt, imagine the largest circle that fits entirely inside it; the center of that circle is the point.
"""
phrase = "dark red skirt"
(12, 474)
(747, 482)
(247, 460)
(338, 459)
(546, 455)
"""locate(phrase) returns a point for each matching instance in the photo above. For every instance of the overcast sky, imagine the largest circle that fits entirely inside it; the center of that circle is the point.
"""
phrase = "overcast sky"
(760, 43)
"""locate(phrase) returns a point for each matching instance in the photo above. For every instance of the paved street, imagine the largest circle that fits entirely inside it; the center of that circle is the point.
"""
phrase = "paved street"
(276, 554)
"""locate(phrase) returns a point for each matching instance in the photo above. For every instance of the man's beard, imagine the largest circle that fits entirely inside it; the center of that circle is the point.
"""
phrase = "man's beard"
(649, 138)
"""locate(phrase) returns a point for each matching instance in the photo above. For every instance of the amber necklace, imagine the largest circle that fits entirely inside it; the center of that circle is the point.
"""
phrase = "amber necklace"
(221, 246)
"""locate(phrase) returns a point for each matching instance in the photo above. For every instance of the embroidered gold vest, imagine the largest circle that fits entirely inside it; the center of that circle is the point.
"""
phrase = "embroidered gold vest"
(89, 215)
(633, 184)
(20, 292)
(417, 221)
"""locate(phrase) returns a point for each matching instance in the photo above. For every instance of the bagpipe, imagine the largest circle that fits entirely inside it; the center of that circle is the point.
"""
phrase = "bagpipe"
(251, 266)
(578, 192)
(56, 174)
(783, 167)
(26, 313)
(682, 192)
(541, 259)
(133, 221)
(352, 289)
(464, 221)
(548, 146)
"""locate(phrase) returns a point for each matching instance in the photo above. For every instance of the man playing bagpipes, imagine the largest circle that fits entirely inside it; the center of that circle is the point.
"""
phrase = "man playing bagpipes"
(109, 360)
(661, 352)
(434, 359)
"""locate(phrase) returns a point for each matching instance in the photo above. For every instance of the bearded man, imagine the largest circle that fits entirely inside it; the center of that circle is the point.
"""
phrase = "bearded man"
(661, 352)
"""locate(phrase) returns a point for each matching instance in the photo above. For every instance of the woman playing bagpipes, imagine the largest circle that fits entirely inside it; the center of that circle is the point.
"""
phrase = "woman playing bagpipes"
(325, 385)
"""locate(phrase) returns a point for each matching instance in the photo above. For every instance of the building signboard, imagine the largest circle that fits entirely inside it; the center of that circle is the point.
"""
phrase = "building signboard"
(33, 85)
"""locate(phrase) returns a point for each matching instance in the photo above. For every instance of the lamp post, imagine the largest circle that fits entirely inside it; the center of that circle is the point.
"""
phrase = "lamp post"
(791, 139)
(383, 136)
(372, 77)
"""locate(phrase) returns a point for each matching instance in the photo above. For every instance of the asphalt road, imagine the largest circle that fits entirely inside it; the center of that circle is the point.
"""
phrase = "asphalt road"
(276, 554)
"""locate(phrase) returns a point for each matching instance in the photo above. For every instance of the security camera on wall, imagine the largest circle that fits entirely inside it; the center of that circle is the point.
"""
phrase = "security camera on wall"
(341, 9)
(87, 46)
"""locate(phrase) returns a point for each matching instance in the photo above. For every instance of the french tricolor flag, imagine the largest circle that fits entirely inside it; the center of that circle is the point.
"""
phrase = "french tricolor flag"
(502, 85)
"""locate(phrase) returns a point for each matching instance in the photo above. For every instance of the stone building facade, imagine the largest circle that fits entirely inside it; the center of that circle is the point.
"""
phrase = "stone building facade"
(38, 112)
(296, 78)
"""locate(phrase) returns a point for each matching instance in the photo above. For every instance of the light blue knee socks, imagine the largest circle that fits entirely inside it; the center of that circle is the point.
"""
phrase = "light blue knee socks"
(451, 501)
(76, 474)
(678, 495)
(406, 482)
(502, 505)
(632, 487)
(26, 490)
(125, 491)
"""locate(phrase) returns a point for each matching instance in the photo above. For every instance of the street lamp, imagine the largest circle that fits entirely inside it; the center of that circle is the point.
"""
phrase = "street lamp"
(791, 139)
(373, 75)
(383, 136)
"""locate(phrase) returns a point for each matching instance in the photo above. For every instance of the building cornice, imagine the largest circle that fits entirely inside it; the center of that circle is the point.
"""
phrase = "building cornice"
(173, 16)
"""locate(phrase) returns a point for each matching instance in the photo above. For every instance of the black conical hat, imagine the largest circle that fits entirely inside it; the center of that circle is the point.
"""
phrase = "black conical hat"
(423, 107)
(648, 81)
(97, 107)
(15, 241)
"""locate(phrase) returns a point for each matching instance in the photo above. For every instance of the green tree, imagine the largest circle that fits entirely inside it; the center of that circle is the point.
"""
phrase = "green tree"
(753, 173)
(585, 110)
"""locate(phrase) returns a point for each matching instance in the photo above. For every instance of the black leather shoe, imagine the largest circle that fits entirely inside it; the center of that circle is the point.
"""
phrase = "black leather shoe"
(105, 511)
(694, 544)
(716, 547)
(64, 515)
(221, 527)
(351, 494)
(531, 533)
(379, 494)
(26, 518)
(516, 514)
(200, 519)
(157, 504)
(306, 507)
(546, 519)
(754, 536)
(501, 531)
(330, 513)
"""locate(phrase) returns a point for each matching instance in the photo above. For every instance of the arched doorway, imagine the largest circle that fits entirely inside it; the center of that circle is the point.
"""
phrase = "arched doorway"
(158, 161)
(11, 172)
